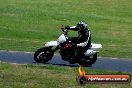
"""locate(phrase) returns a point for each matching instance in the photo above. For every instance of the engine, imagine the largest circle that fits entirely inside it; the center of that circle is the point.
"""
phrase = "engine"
(67, 51)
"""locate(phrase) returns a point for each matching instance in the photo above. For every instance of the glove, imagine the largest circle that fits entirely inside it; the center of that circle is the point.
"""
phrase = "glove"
(67, 27)
(62, 27)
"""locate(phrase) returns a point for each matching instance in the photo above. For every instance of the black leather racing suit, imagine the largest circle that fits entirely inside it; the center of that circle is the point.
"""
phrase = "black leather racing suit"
(83, 41)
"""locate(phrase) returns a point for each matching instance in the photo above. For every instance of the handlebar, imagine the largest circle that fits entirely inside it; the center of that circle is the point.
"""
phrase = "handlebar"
(64, 30)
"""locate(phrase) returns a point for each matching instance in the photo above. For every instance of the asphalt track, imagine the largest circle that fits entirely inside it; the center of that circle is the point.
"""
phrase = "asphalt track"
(105, 63)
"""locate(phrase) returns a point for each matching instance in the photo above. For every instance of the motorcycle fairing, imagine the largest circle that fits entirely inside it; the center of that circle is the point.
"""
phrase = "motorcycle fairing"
(94, 49)
(95, 46)
(51, 43)
(61, 39)
(90, 52)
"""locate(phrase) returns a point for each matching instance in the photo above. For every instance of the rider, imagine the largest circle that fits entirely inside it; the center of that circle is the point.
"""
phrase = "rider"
(83, 41)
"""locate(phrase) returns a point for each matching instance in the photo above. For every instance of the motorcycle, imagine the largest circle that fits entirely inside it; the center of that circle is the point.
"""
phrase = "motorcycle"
(67, 50)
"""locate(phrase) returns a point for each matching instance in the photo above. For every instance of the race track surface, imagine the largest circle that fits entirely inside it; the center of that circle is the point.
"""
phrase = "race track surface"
(123, 65)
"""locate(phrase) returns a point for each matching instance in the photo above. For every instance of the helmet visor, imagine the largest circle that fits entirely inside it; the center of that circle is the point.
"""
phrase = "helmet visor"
(80, 27)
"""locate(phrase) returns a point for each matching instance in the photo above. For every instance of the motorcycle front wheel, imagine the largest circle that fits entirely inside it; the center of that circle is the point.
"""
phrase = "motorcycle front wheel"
(43, 55)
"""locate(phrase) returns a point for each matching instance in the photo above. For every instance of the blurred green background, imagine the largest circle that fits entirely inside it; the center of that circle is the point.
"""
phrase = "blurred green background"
(25, 25)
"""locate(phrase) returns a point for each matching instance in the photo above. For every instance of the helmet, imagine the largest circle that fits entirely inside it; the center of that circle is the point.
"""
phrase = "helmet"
(81, 25)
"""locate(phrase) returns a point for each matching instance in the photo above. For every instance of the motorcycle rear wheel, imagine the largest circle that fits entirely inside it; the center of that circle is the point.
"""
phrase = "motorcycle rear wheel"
(89, 60)
(43, 55)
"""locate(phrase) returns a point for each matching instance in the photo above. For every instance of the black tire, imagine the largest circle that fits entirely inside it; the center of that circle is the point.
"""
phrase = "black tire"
(88, 60)
(67, 55)
(93, 60)
(43, 55)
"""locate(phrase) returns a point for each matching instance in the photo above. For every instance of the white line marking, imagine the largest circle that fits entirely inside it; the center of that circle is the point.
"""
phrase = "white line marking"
(16, 51)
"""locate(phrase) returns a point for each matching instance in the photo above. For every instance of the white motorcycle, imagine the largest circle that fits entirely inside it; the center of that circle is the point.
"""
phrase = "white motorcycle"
(67, 51)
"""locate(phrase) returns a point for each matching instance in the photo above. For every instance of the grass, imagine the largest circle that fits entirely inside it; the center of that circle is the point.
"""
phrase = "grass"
(48, 76)
(27, 24)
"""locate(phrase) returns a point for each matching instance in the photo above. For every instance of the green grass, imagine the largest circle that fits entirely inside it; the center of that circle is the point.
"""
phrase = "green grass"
(25, 25)
(48, 76)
